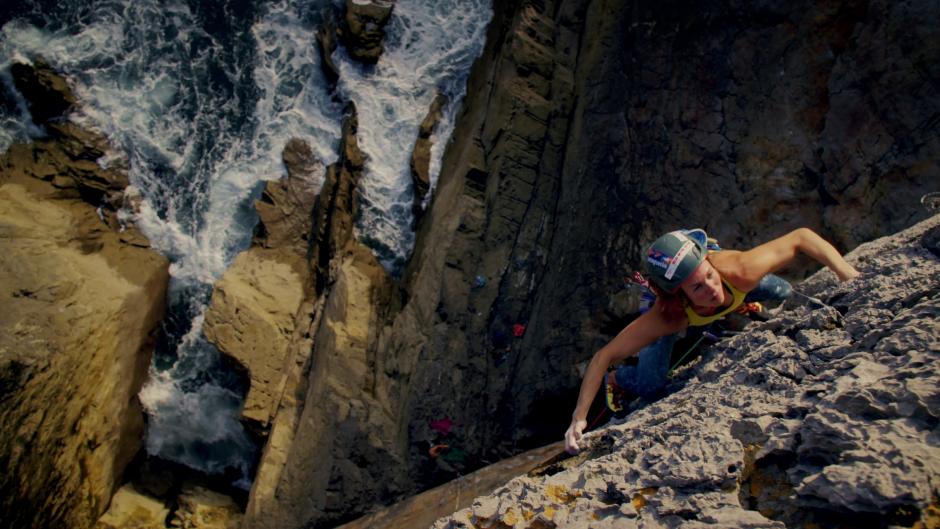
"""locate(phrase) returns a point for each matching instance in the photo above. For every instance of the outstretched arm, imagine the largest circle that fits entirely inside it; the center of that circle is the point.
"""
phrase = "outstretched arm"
(640, 333)
(771, 256)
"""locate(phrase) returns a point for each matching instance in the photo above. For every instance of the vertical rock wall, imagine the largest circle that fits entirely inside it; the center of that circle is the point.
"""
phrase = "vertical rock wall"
(82, 298)
(588, 128)
(592, 127)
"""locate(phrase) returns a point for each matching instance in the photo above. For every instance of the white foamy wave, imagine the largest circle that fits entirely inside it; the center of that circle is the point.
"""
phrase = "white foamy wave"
(16, 124)
(188, 434)
(430, 47)
(294, 101)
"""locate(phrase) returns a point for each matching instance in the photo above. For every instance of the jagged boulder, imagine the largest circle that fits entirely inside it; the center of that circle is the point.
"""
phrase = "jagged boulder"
(70, 158)
(363, 28)
(82, 297)
(326, 45)
(285, 204)
(823, 416)
(50, 97)
(132, 510)
(335, 413)
(251, 317)
(201, 508)
(421, 154)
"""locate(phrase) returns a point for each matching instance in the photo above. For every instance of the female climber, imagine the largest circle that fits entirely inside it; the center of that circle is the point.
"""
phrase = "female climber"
(693, 287)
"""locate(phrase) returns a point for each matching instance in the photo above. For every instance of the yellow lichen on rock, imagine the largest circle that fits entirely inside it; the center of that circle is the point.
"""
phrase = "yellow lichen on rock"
(561, 494)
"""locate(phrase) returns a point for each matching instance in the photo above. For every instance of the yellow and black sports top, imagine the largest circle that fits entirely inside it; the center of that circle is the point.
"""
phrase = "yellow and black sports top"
(697, 320)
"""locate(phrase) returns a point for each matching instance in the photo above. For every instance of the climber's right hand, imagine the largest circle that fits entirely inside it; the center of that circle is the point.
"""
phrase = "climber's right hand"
(573, 436)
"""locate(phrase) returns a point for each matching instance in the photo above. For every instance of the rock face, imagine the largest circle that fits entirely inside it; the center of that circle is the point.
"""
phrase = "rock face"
(256, 316)
(421, 155)
(82, 297)
(132, 510)
(588, 129)
(298, 310)
(201, 508)
(424, 509)
(363, 28)
(824, 416)
(326, 45)
(251, 319)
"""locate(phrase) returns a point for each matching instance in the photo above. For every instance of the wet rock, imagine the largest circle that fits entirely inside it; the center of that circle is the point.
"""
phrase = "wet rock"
(285, 205)
(336, 205)
(73, 158)
(363, 28)
(48, 94)
(421, 155)
(326, 44)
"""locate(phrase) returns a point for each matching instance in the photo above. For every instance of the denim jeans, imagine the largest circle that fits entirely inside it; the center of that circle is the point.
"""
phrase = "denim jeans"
(648, 377)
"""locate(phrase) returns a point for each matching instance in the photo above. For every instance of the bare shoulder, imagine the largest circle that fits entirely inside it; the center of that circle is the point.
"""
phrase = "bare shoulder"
(732, 265)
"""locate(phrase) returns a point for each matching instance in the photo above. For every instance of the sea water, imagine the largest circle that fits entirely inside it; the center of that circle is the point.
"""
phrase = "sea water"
(200, 98)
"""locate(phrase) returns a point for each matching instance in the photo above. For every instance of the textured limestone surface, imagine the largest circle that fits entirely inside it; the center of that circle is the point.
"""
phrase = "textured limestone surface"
(130, 509)
(824, 416)
(82, 296)
(201, 508)
(251, 319)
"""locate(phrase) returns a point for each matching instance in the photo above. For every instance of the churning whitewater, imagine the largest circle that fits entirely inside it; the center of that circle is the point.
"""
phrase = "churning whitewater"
(199, 99)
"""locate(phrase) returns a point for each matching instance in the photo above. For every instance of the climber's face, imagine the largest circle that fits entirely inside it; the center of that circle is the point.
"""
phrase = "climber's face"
(703, 287)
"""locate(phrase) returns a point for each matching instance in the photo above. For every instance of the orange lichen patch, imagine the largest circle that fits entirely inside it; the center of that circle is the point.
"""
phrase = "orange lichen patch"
(528, 515)
(639, 501)
(750, 451)
(560, 494)
(510, 518)
(930, 517)
(549, 512)
(639, 498)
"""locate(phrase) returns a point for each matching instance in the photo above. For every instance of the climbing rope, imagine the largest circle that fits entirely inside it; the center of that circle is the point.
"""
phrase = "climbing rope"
(679, 361)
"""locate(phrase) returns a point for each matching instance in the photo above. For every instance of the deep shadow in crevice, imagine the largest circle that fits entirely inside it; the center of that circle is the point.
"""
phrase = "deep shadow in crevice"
(765, 487)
